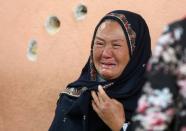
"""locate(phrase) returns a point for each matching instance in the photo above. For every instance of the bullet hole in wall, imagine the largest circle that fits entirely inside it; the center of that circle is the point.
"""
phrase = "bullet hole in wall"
(80, 12)
(32, 50)
(52, 25)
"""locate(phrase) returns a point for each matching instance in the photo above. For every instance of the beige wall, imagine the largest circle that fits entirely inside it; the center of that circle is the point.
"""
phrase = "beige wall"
(29, 90)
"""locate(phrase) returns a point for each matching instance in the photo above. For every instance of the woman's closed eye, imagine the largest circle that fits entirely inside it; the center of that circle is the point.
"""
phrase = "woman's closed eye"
(116, 45)
(99, 44)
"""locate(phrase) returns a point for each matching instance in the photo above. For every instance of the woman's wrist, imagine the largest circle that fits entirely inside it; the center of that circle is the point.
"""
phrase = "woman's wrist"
(118, 126)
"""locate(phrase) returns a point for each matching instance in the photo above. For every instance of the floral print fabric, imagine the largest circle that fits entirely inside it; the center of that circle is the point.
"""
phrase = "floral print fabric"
(162, 105)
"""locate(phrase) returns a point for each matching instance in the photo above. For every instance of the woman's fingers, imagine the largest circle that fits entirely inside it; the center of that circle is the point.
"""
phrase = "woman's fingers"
(95, 98)
(100, 99)
(102, 95)
(95, 107)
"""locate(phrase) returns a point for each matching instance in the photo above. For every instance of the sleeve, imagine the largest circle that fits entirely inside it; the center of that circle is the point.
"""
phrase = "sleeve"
(157, 104)
(124, 128)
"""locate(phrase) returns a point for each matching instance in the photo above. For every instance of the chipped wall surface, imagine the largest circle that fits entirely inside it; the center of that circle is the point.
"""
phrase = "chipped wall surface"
(29, 88)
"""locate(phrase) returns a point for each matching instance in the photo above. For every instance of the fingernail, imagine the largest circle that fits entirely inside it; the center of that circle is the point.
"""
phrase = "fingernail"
(99, 87)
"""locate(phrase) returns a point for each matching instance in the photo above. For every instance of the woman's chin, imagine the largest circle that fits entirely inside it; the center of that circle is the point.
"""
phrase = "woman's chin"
(107, 76)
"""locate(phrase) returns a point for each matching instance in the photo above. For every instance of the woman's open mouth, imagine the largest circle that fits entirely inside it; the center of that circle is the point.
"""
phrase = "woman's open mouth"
(107, 65)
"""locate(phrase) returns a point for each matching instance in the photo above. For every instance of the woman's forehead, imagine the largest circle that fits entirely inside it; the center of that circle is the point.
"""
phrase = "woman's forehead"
(108, 23)
(110, 29)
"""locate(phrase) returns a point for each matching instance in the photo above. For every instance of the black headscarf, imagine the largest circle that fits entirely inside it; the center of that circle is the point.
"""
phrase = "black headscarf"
(126, 88)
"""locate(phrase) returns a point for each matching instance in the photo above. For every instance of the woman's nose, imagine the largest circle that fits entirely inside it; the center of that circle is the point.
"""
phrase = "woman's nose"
(107, 52)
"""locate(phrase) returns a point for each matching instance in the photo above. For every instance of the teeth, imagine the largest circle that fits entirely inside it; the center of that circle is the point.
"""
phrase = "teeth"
(107, 66)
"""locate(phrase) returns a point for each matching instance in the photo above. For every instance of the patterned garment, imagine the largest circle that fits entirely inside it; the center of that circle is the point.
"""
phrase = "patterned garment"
(162, 105)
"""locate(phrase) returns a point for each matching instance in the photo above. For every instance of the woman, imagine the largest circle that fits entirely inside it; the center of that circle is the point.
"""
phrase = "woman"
(119, 52)
(163, 103)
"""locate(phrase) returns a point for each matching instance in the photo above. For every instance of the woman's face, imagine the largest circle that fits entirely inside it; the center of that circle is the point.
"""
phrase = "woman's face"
(110, 50)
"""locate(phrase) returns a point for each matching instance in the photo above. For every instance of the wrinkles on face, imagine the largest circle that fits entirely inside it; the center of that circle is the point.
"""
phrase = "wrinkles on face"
(110, 50)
